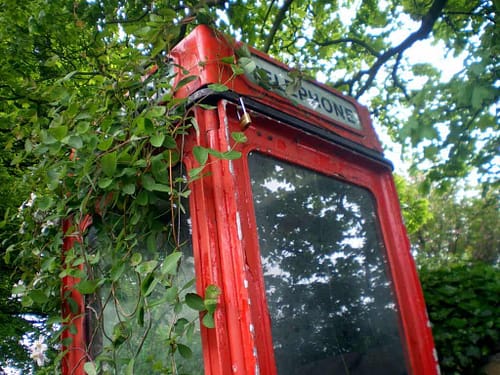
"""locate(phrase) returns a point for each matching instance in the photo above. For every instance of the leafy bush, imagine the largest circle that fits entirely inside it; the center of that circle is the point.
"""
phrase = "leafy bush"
(462, 301)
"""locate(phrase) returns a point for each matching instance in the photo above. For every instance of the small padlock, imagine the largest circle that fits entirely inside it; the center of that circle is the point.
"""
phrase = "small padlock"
(245, 119)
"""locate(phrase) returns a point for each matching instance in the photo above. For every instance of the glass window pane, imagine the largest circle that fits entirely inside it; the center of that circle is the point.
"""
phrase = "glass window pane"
(329, 296)
(110, 311)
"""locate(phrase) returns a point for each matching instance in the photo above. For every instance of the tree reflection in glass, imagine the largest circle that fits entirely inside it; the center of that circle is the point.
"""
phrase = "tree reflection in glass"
(328, 292)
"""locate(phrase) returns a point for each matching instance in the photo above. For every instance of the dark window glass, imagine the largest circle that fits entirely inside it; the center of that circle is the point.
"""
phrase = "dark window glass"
(329, 296)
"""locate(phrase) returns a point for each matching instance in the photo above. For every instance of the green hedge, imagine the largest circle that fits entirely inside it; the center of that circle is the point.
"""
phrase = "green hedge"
(463, 301)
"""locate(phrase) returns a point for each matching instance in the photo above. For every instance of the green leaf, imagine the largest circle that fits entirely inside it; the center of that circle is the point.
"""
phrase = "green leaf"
(38, 296)
(227, 59)
(231, 155)
(121, 333)
(105, 144)
(195, 302)
(200, 154)
(185, 351)
(212, 291)
(148, 284)
(148, 182)
(156, 111)
(142, 198)
(247, 64)
(172, 294)
(195, 172)
(239, 137)
(44, 203)
(157, 139)
(208, 320)
(186, 80)
(169, 142)
(218, 87)
(87, 286)
(170, 264)
(75, 141)
(146, 267)
(117, 270)
(103, 183)
(90, 368)
(243, 51)
(128, 189)
(59, 132)
(135, 259)
(108, 163)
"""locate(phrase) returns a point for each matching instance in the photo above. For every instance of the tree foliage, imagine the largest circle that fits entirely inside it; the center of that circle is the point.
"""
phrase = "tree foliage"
(457, 247)
(445, 225)
(81, 123)
(462, 300)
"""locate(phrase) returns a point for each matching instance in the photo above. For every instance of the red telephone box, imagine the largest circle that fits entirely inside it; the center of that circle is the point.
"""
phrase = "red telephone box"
(302, 234)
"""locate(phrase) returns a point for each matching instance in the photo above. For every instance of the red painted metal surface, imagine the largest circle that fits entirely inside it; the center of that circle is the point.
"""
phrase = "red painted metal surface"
(228, 223)
(73, 313)
(200, 54)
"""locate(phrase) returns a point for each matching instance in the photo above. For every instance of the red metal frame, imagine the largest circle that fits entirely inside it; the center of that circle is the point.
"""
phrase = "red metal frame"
(235, 261)
(73, 337)
(225, 243)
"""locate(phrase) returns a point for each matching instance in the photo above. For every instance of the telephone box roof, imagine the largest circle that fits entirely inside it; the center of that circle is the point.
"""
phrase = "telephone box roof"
(210, 65)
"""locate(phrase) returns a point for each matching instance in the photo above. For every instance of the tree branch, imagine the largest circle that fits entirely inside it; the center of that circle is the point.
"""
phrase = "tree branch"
(266, 17)
(277, 23)
(423, 32)
(357, 41)
(395, 79)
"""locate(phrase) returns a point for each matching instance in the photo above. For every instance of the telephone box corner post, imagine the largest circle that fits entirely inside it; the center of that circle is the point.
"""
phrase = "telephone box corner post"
(73, 304)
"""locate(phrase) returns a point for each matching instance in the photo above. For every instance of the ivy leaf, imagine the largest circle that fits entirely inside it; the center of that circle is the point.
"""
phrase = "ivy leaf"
(87, 286)
(146, 267)
(185, 351)
(195, 172)
(148, 182)
(157, 139)
(44, 203)
(59, 132)
(117, 270)
(183, 82)
(128, 189)
(90, 368)
(108, 162)
(105, 144)
(239, 137)
(75, 141)
(247, 64)
(218, 87)
(208, 320)
(212, 293)
(38, 296)
(169, 266)
(156, 111)
(195, 302)
(231, 155)
(200, 154)
(103, 183)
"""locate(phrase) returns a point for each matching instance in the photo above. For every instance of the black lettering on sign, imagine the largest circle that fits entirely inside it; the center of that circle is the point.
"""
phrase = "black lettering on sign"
(327, 106)
(268, 74)
(313, 96)
(276, 80)
(350, 116)
(302, 93)
(339, 110)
